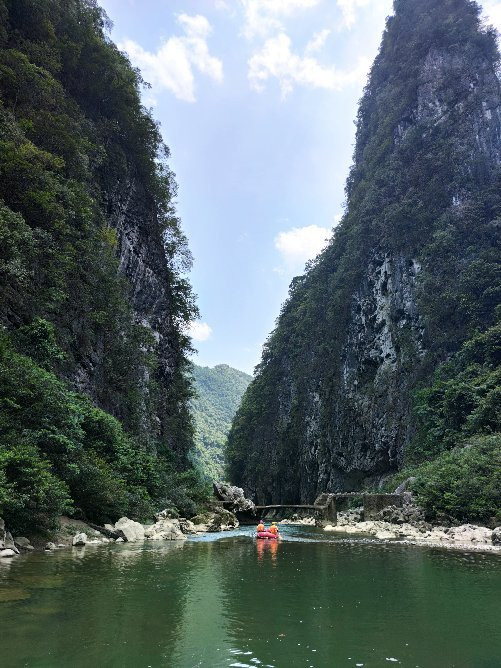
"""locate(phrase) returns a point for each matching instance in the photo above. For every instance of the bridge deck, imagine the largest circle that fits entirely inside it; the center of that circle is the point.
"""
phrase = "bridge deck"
(290, 505)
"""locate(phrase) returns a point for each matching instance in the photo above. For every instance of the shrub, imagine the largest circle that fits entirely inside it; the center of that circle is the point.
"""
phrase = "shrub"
(462, 484)
(30, 494)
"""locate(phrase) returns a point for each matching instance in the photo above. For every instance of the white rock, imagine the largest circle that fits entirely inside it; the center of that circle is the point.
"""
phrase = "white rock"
(50, 546)
(80, 539)
(7, 553)
(187, 526)
(201, 528)
(166, 529)
(133, 531)
(385, 535)
(469, 533)
(8, 542)
(119, 540)
(22, 542)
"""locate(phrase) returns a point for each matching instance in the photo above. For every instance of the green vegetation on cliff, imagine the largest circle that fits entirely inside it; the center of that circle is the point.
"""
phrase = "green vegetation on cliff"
(94, 363)
(218, 393)
(455, 456)
(412, 274)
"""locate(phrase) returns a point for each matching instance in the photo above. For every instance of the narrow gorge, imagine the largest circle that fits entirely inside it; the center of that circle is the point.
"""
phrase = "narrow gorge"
(410, 275)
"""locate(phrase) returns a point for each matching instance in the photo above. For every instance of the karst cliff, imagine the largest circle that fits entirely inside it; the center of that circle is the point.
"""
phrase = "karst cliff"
(410, 274)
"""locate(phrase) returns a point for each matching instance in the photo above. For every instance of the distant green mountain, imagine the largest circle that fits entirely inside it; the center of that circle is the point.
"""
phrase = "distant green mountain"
(219, 391)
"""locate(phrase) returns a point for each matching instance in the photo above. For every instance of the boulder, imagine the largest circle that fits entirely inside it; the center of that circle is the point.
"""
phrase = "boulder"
(119, 540)
(385, 535)
(167, 514)
(50, 546)
(234, 497)
(496, 536)
(23, 543)
(7, 553)
(80, 539)
(218, 520)
(469, 533)
(7, 542)
(132, 531)
(351, 516)
(405, 514)
(187, 526)
(404, 486)
(166, 529)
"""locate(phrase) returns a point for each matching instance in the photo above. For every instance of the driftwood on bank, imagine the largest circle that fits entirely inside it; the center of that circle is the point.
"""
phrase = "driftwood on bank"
(116, 533)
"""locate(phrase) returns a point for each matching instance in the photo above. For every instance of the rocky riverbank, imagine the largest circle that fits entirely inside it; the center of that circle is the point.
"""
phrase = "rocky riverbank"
(76, 533)
(218, 515)
(407, 525)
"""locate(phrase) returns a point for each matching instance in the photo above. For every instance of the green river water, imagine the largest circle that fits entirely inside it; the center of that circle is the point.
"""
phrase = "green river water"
(229, 600)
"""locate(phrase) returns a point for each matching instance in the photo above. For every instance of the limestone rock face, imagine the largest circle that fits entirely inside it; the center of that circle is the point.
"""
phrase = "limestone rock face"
(133, 531)
(330, 407)
(234, 496)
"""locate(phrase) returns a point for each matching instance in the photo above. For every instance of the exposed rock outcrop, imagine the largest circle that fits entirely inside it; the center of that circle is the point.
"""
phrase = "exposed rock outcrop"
(165, 529)
(466, 535)
(132, 531)
(23, 543)
(213, 521)
(234, 497)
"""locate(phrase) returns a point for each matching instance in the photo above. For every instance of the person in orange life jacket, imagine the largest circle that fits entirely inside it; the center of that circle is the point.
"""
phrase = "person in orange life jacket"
(260, 527)
(273, 529)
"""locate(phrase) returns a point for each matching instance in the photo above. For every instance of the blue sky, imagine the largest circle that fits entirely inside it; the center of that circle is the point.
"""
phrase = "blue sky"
(257, 101)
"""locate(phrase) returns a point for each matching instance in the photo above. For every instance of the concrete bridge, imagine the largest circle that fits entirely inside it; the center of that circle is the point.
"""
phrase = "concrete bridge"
(326, 505)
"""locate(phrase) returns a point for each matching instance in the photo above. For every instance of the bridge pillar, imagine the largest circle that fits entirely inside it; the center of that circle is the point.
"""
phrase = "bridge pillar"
(328, 511)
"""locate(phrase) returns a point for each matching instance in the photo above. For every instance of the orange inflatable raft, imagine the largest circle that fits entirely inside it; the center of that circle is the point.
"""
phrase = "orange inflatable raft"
(267, 535)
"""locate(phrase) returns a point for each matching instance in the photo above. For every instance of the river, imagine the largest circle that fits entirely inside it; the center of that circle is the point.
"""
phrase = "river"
(229, 600)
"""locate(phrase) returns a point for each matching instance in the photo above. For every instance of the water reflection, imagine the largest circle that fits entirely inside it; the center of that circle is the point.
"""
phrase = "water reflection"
(267, 548)
(238, 601)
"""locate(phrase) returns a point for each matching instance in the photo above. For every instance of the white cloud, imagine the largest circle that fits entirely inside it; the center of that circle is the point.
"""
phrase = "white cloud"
(317, 42)
(264, 16)
(349, 10)
(199, 331)
(492, 12)
(171, 67)
(276, 60)
(300, 244)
